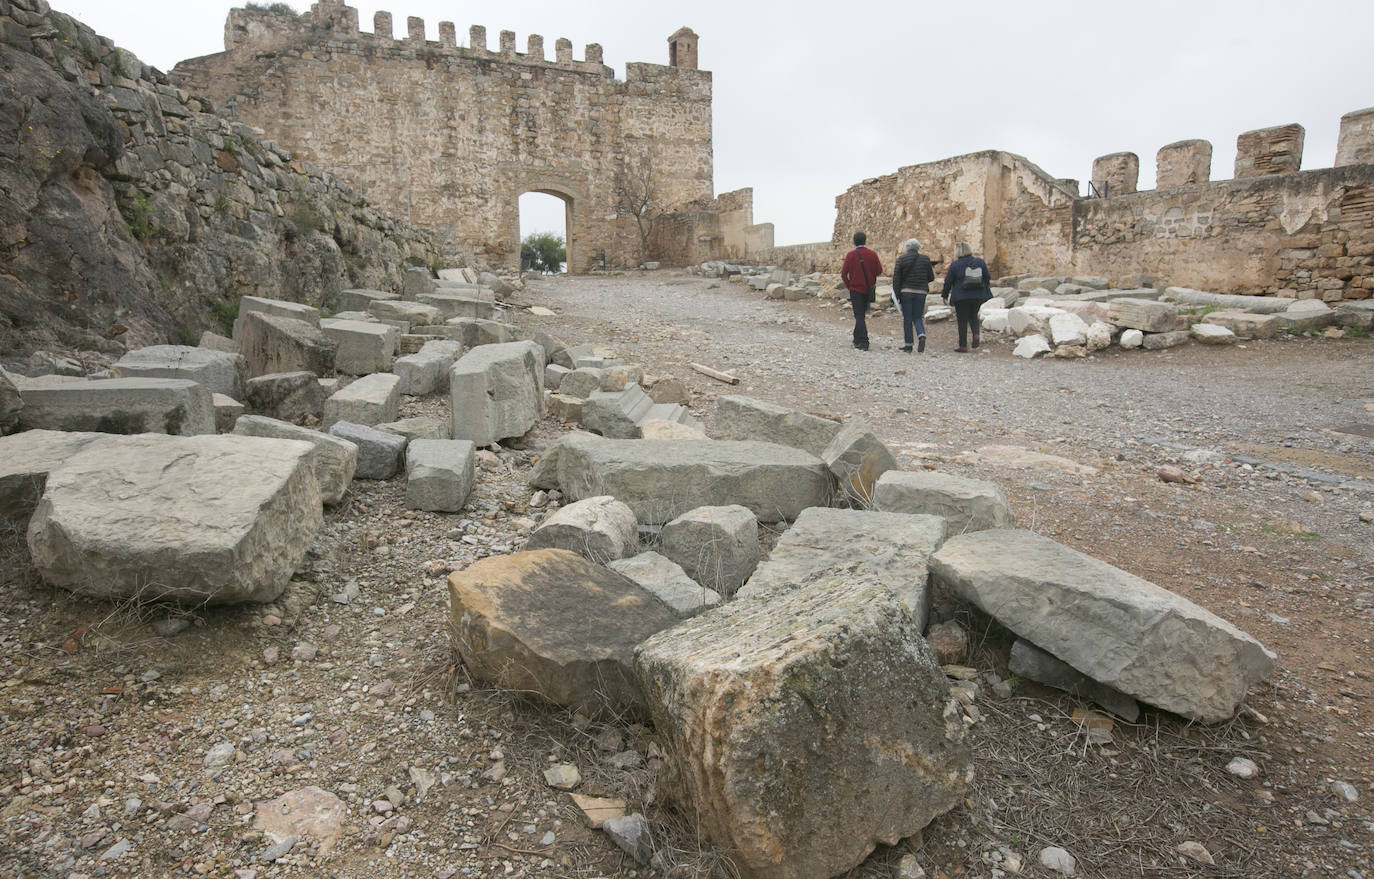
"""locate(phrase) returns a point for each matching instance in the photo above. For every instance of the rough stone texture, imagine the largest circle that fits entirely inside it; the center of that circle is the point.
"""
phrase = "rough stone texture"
(658, 428)
(1030, 662)
(803, 730)
(1212, 334)
(211, 341)
(362, 348)
(426, 371)
(333, 459)
(1029, 346)
(662, 479)
(309, 812)
(566, 409)
(718, 547)
(274, 344)
(1244, 324)
(1068, 329)
(599, 529)
(296, 397)
(413, 313)
(26, 459)
(1183, 164)
(668, 582)
(1355, 144)
(553, 375)
(227, 412)
(439, 474)
(419, 427)
(215, 518)
(856, 458)
(744, 418)
(497, 391)
(1112, 626)
(372, 399)
(1269, 151)
(1143, 314)
(965, 504)
(825, 548)
(379, 452)
(553, 623)
(119, 405)
(10, 404)
(473, 331)
(218, 371)
(580, 383)
(359, 300)
(1307, 314)
(1116, 174)
(453, 304)
(1130, 339)
(1160, 341)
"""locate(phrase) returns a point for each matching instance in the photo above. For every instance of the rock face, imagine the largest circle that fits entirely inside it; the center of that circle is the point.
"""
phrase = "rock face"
(333, 460)
(744, 418)
(439, 474)
(119, 405)
(497, 391)
(805, 729)
(965, 504)
(718, 547)
(1112, 626)
(215, 518)
(219, 372)
(26, 459)
(553, 623)
(599, 529)
(825, 548)
(662, 479)
(856, 458)
(667, 581)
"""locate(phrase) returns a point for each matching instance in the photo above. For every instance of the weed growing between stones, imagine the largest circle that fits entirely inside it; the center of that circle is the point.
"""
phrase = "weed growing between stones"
(138, 216)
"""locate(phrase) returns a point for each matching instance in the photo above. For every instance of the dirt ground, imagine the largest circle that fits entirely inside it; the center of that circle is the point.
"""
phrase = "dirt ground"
(108, 727)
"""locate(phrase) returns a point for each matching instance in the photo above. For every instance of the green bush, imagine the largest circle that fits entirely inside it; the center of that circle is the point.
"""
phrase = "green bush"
(226, 312)
(138, 216)
(543, 252)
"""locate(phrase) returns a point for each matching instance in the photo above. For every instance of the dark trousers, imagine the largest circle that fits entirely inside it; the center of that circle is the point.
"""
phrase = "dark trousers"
(913, 314)
(859, 302)
(967, 314)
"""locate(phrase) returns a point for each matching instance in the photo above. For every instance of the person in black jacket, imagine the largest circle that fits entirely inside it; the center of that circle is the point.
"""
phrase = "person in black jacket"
(911, 279)
(967, 287)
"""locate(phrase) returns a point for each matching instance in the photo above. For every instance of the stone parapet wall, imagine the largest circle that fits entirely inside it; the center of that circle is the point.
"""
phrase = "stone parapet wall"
(720, 228)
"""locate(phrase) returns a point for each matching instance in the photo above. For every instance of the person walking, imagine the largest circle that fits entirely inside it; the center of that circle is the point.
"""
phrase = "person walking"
(911, 277)
(860, 275)
(966, 288)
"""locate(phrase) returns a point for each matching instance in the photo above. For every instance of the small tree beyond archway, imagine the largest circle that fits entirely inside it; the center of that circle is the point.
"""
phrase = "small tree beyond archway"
(547, 215)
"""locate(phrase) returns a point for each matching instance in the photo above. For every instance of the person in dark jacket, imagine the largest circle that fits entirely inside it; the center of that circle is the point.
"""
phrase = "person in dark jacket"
(966, 288)
(911, 278)
(860, 272)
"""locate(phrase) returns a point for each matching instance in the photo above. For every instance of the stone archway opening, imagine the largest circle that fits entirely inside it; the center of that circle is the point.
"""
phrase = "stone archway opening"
(545, 210)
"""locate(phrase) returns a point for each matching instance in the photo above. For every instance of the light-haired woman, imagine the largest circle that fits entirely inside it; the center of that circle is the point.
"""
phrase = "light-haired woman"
(911, 278)
(967, 287)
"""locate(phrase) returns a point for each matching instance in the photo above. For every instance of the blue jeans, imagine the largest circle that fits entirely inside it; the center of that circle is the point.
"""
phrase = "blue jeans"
(859, 302)
(913, 310)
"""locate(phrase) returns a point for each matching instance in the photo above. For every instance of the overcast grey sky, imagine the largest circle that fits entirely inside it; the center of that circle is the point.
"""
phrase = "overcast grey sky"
(813, 97)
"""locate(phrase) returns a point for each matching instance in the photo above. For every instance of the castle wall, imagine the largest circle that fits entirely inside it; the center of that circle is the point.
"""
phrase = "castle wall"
(719, 228)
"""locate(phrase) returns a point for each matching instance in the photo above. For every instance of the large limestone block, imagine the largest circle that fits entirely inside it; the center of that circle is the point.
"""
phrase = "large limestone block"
(426, 371)
(1211, 334)
(617, 414)
(717, 546)
(362, 347)
(1359, 313)
(418, 427)
(1307, 314)
(379, 452)
(453, 304)
(1114, 627)
(333, 460)
(227, 412)
(826, 547)
(856, 458)
(597, 528)
(119, 405)
(804, 730)
(416, 281)
(474, 331)
(218, 371)
(276, 307)
(1068, 329)
(662, 479)
(1244, 324)
(359, 300)
(10, 404)
(1030, 662)
(372, 399)
(26, 459)
(1253, 304)
(553, 623)
(497, 391)
(1146, 315)
(666, 580)
(273, 344)
(413, 313)
(965, 504)
(213, 518)
(1027, 320)
(1160, 341)
(580, 383)
(296, 397)
(744, 418)
(439, 474)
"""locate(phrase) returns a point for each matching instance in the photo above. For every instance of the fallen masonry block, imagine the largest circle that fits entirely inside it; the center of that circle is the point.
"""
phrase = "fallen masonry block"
(1160, 341)
(553, 375)
(215, 342)
(276, 307)
(333, 459)
(215, 519)
(359, 300)
(219, 372)
(1211, 334)
(426, 371)
(856, 458)
(836, 680)
(227, 412)
(1146, 315)
(1254, 304)
(600, 529)
(412, 313)
(26, 459)
(668, 582)
(473, 332)
(619, 414)
(497, 391)
(1359, 313)
(452, 304)
(1114, 627)
(1307, 314)
(550, 622)
(415, 281)
(362, 348)
(744, 418)
(1244, 324)
(296, 397)
(119, 405)
(372, 399)
(580, 383)
(273, 344)
(419, 427)
(563, 408)
(965, 504)
(1030, 662)
(439, 474)
(718, 547)
(379, 452)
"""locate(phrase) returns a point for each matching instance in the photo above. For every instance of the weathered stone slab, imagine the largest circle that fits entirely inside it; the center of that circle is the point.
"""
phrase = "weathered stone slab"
(1114, 627)
(553, 623)
(333, 459)
(553, 375)
(668, 582)
(662, 479)
(215, 518)
(473, 331)
(215, 342)
(426, 371)
(1146, 315)
(453, 304)
(1307, 314)
(119, 405)
(359, 300)
(218, 371)
(412, 313)
(600, 529)
(419, 427)
(806, 728)
(227, 412)
(497, 391)
(659, 428)
(296, 397)
(1030, 662)
(580, 383)
(744, 418)
(563, 408)
(1031, 319)
(273, 344)
(1244, 324)
(275, 307)
(372, 399)
(856, 458)
(718, 547)
(1068, 329)
(965, 504)
(362, 348)
(439, 474)
(826, 547)
(26, 459)
(1211, 334)
(379, 452)
(616, 414)
(1160, 341)
(1359, 313)
(1252, 304)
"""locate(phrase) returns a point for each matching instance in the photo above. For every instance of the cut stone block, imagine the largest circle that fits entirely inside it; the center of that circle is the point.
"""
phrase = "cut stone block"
(379, 452)
(296, 397)
(1355, 314)
(472, 331)
(1146, 315)
(215, 518)
(553, 375)
(1244, 324)
(26, 459)
(1211, 334)
(565, 356)
(439, 474)
(426, 371)
(119, 405)
(568, 409)
(668, 582)
(362, 348)
(218, 371)
(618, 414)
(965, 504)
(333, 459)
(411, 343)
(662, 479)
(1307, 314)
(657, 428)
(1068, 329)
(215, 342)
(412, 313)
(372, 399)
(497, 391)
(1252, 304)
(825, 547)
(1028, 320)
(717, 546)
(419, 427)
(553, 623)
(276, 307)
(1132, 339)
(600, 529)
(10, 404)
(1159, 341)
(1112, 626)
(580, 383)
(856, 458)
(1030, 662)
(227, 412)
(416, 282)
(744, 418)
(273, 344)
(805, 729)
(359, 300)
(453, 304)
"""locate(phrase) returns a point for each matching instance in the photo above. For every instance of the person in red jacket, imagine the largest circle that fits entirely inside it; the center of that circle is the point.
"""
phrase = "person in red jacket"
(860, 275)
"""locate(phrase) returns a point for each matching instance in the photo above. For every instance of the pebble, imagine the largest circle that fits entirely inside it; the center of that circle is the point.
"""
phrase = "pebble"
(1242, 767)
(562, 776)
(1056, 859)
(631, 833)
(271, 619)
(270, 655)
(1346, 791)
(304, 651)
(910, 868)
(1366, 516)
(169, 626)
(278, 850)
(220, 754)
(118, 850)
